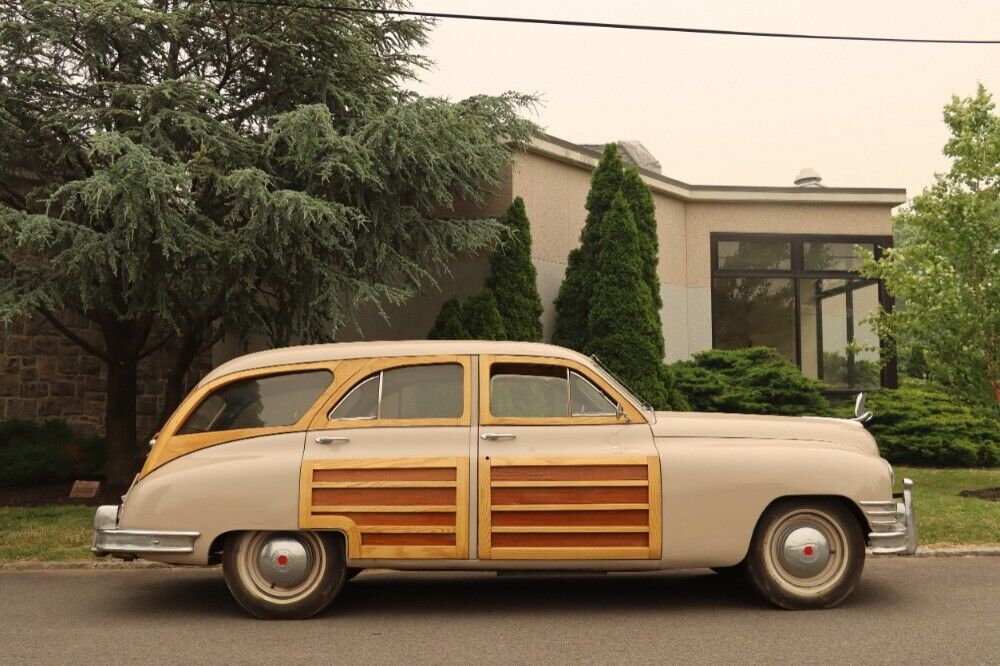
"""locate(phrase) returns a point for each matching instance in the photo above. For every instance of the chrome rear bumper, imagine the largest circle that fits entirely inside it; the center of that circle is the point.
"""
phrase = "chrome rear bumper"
(108, 539)
(894, 523)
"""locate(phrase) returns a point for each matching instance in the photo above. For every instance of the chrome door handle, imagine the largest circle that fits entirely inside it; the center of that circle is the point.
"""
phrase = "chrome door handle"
(493, 436)
(326, 439)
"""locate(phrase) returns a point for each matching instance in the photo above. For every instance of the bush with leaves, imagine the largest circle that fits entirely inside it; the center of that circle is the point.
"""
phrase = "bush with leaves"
(46, 452)
(474, 317)
(754, 380)
(922, 423)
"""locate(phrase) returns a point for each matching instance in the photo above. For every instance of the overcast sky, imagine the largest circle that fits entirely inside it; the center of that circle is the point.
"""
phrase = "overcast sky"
(733, 110)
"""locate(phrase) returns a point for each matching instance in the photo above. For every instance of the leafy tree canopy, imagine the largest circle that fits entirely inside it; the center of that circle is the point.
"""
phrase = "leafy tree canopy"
(947, 272)
(172, 171)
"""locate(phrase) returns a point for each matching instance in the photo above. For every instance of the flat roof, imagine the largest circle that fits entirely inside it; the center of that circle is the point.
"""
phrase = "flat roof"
(384, 348)
(581, 156)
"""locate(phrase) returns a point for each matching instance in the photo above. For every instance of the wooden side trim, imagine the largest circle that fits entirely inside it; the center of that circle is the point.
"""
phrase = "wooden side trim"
(383, 508)
(655, 509)
(485, 510)
(410, 529)
(384, 484)
(568, 484)
(568, 507)
(551, 553)
(348, 526)
(556, 529)
(504, 461)
(409, 552)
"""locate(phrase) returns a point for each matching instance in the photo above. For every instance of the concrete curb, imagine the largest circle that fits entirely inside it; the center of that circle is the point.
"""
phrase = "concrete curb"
(113, 565)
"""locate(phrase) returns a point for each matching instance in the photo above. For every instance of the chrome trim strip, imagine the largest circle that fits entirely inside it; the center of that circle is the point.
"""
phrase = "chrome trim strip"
(109, 540)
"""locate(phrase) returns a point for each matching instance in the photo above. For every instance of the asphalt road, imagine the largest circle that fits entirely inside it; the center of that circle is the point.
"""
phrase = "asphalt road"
(941, 610)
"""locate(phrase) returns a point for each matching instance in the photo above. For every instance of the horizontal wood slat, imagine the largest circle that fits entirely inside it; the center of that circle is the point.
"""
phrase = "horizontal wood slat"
(525, 529)
(567, 507)
(569, 484)
(570, 539)
(572, 518)
(573, 553)
(570, 495)
(569, 473)
(397, 508)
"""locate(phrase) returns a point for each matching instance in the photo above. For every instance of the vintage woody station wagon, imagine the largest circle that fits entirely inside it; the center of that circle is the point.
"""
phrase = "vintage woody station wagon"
(297, 468)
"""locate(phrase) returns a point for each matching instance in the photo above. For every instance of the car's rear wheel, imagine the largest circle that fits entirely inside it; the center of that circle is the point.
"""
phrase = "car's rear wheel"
(806, 554)
(284, 575)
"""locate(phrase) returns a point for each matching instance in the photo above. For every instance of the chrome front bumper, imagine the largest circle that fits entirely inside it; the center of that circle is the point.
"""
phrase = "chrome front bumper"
(108, 539)
(894, 523)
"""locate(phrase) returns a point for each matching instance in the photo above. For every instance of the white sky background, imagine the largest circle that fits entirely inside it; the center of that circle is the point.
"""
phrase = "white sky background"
(733, 110)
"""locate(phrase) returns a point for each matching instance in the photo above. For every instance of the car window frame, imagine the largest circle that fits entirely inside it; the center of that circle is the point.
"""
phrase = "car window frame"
(630, 414)
(363, 371)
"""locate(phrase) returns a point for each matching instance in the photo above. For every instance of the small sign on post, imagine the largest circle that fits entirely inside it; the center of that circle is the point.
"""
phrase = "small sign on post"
(85, 489)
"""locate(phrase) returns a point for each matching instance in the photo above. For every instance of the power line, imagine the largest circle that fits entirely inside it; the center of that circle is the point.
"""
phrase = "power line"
(597, 24)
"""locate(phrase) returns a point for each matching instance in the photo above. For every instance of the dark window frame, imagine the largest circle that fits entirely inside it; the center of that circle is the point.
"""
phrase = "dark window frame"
(889, 373)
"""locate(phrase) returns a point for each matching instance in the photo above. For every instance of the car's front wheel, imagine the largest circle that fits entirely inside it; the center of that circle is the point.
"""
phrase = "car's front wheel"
(806, 553)
(284, 575)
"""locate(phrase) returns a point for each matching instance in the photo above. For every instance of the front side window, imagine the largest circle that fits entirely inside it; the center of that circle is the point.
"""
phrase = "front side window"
(259, 402)
(528, 390)
(804, 297)
(411, 392)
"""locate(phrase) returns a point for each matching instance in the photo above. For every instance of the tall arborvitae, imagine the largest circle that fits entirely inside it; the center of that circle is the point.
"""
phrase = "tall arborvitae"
(482, 318)
(573, 302)
(640, 202)
(622, 324)
(513, 278)
(449, 324)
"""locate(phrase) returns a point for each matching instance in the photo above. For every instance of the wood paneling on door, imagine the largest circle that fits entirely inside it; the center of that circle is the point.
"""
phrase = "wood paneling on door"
(407, 508)
(569, 508)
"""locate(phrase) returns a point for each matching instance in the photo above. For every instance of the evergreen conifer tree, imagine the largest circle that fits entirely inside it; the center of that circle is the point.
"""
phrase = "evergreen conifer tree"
(449, 324)
(513, 279)
(622, 325)
(640, 203)
(482, 317)
(573, 302)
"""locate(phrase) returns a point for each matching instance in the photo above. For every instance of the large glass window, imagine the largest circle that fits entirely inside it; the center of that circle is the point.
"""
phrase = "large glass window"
(804, 297)
(411, 392)
(278, 400)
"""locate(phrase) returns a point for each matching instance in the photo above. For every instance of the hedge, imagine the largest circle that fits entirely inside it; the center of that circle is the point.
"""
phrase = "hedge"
(920, 423)
(47, 452)
(755, 380)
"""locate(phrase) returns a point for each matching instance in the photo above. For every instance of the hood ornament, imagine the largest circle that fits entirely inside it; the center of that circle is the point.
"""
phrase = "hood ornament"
(860, 415)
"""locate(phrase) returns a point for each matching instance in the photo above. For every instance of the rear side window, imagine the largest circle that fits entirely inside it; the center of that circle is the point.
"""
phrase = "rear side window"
(412, 392)
(260, 402)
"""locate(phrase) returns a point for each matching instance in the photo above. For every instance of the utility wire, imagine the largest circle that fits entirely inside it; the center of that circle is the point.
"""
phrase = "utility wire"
(597, 24)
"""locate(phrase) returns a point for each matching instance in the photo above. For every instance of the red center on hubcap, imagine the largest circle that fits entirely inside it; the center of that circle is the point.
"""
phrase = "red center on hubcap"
(282, 560)
(808, 550)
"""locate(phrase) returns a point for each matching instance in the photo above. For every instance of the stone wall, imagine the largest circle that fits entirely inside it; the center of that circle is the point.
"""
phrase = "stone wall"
(43, 375)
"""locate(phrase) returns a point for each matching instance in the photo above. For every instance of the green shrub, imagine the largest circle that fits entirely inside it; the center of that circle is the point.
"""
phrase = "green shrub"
(474, 317)
(47, 452)
(755, 380)
(920, 423)
(513, 279)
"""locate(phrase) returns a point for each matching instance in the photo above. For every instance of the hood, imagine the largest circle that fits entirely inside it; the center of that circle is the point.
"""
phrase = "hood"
(752, 426)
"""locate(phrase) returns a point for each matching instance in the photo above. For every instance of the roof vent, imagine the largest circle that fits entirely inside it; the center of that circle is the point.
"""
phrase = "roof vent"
(808, 178)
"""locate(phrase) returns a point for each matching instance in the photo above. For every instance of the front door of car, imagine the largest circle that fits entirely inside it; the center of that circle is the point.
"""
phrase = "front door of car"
(567, 467)
(387, 459)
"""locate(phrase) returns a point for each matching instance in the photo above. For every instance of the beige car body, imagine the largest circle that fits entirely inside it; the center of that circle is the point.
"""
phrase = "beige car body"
(672, 490)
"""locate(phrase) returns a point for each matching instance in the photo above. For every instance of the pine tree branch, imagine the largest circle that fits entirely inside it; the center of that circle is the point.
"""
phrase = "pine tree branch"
(66, 331)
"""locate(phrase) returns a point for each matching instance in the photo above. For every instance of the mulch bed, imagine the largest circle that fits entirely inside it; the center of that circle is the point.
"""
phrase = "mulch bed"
(54, 494)
(984, 493)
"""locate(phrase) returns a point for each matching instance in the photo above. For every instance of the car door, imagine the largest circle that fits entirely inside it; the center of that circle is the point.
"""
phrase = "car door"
(567, 467)
(387, 460)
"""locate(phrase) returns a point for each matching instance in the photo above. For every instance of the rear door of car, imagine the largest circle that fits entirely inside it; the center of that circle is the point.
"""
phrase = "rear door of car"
(561, 475)
(387, 460)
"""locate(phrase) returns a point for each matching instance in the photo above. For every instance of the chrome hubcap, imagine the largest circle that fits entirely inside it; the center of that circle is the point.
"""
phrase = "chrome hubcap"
(284, 561)
(805, 552)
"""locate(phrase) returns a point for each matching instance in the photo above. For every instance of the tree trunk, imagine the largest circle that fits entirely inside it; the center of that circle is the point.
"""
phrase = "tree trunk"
(120, 419)
(174, 389)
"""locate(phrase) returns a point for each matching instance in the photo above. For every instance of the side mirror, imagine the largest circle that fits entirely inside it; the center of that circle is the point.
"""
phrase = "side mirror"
(860, 414)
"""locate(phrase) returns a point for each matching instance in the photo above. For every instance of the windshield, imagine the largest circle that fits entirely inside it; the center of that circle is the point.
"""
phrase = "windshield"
(620, 385)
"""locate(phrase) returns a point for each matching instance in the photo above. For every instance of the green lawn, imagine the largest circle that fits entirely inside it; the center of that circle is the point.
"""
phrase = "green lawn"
(53, 533)
(944, 518)
(46, 533)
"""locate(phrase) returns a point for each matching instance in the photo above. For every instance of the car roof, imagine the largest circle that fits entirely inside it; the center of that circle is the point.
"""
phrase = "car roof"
(383, 348)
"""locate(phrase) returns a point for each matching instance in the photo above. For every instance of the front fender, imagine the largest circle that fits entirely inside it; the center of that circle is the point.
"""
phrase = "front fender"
(715, 490)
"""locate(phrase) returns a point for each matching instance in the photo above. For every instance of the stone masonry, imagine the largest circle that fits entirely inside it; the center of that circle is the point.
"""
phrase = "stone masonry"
(43, 376)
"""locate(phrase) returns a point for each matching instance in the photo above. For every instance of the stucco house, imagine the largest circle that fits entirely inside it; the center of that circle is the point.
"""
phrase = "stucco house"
(738, 266)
